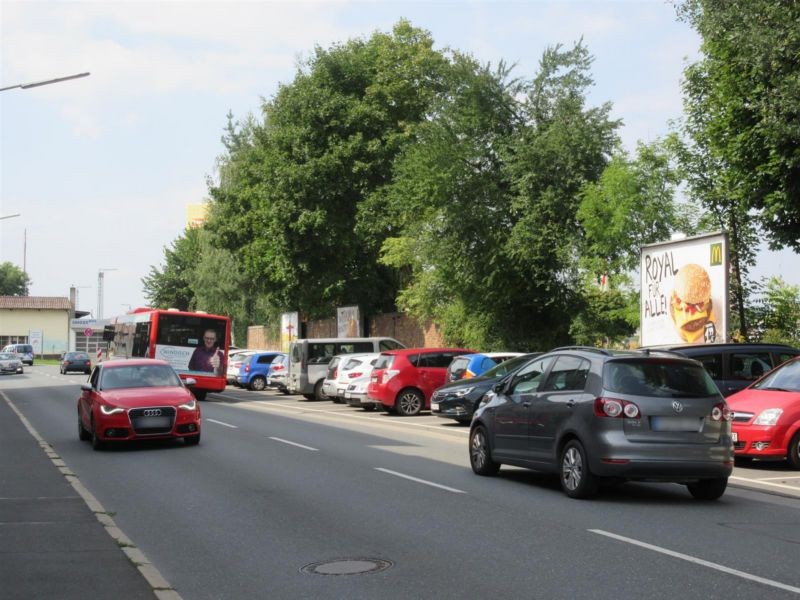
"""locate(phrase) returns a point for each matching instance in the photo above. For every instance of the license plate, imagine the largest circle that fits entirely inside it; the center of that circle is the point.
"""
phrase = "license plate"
(675, 423)
(434, 406)
(735, 436)
(152, 422)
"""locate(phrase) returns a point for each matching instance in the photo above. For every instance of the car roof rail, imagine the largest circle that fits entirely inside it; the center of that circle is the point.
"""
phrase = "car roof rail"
(603, 351)
(649, 351)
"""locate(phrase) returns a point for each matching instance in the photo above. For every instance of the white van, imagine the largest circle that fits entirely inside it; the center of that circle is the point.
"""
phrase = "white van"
(308, 360)
(25, 352)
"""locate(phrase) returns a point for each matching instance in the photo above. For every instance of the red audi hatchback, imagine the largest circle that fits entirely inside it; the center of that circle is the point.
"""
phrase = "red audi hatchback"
(766, 416)
(135, 400)
(403, 380)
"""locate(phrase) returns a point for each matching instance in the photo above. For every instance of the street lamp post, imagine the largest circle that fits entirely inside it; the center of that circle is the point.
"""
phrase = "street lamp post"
(25, 86)
(100, 291)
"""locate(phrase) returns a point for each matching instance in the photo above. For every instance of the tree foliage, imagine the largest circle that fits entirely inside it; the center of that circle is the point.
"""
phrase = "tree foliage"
(632, 204)
(13, 280)
(171, 285)
(288, 201)
(484, 205)
(742, 102)
(777, 315)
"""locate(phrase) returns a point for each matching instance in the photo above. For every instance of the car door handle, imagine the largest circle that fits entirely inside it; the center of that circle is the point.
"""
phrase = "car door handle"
(571, 402)
(526, 404)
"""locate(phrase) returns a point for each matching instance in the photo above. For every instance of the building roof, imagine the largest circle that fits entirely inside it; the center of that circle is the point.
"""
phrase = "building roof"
(35, 303)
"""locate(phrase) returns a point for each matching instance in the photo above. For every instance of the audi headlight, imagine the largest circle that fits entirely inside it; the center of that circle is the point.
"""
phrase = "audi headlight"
(110, 410)
(191, 405)
(769, 417)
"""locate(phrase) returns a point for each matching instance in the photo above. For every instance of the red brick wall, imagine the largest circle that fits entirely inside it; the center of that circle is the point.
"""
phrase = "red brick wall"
(395, 325)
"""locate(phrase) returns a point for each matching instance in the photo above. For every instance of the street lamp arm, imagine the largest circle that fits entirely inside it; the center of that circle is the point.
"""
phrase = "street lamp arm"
(26, 86)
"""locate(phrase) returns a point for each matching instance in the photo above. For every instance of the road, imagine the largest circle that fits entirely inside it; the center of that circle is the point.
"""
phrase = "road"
(278, 485)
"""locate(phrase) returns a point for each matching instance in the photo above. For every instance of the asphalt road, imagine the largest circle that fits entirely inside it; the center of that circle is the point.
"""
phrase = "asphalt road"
(278, 485)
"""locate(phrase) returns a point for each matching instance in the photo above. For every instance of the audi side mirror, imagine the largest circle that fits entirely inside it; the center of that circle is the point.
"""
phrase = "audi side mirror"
(86, 387)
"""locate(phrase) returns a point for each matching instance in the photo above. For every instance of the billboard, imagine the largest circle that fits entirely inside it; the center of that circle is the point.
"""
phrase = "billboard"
(684, 293)
(348, 322)
(290, 322)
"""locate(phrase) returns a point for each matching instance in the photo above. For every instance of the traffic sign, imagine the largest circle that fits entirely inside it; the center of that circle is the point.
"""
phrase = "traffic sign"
(88, 332)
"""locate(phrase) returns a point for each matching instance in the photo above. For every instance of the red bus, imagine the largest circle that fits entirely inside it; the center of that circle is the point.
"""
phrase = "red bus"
(194, 343)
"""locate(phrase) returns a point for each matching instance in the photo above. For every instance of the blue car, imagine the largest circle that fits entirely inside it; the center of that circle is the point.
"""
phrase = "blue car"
(473, 365)
(254, 370)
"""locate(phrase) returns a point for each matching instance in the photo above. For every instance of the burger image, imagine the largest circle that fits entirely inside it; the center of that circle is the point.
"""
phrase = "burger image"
(690, 304)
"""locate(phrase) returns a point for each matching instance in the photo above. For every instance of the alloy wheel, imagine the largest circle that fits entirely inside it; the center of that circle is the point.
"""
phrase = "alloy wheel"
(572, 468)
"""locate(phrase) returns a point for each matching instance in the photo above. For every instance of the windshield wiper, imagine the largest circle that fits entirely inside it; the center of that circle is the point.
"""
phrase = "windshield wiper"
(775, 389)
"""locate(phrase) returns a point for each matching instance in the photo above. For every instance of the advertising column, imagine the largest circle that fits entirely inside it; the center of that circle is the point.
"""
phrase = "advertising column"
(684, 294)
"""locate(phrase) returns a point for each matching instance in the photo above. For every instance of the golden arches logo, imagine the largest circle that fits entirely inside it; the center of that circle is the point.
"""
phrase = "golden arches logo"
(716, 254)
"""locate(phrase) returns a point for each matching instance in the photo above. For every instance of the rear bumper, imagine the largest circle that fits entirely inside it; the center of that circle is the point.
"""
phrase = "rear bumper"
(613, 455)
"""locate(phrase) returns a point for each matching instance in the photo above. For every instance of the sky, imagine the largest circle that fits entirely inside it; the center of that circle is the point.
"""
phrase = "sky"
(101, 169)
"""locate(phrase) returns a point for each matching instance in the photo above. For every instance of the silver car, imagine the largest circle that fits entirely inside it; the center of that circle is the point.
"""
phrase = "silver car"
(594, 415)
(10, 363)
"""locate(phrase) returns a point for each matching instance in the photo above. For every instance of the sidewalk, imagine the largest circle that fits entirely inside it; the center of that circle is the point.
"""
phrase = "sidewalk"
(51, 543)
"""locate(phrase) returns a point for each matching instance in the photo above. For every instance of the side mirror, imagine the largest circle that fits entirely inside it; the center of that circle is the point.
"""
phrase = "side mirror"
(86, 387)
(458, 374)
(190, 381)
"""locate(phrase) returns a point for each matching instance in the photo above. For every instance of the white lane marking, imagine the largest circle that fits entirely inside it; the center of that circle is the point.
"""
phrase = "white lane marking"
(221, 423)
(777, 478)
(761, 481)
(379, 418)
(699, 561)
(430, 483)
(282, 441)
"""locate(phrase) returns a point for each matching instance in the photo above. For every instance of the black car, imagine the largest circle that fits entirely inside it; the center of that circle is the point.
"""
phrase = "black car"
(735, 366)
(459, 399)
(76, 361)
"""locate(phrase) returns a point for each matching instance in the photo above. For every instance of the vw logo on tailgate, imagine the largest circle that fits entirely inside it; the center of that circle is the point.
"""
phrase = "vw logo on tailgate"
(677, 406)
(152, 412)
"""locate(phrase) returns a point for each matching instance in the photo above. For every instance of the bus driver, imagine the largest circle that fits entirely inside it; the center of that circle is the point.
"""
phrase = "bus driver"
(207, 357)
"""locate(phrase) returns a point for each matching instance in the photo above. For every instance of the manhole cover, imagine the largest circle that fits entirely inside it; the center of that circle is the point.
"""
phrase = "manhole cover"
(347, 566)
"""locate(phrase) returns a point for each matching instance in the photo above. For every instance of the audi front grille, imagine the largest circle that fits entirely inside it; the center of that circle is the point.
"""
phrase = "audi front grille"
(154, 420)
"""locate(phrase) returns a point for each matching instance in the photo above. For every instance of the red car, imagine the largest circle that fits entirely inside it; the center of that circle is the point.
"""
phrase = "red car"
(403, 380)
(766, 416)
(135, 400)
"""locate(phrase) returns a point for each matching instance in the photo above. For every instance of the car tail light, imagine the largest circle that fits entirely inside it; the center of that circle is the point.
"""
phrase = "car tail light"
(354, 375)
(278, 368)
(335, 374)
(247, 368)
(721, 412)
(610, 407)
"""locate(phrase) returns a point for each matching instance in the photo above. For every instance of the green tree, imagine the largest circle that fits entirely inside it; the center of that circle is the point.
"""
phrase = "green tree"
(742, 101)
(484, 205)
(777, 315)
(446, 211)
(631, 205)
(13, 280)
(171, 285)
(220, 287)
(287, 200)
(607, 317)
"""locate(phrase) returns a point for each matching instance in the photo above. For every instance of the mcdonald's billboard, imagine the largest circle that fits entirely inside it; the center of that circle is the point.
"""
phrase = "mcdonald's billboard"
(684, 291)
